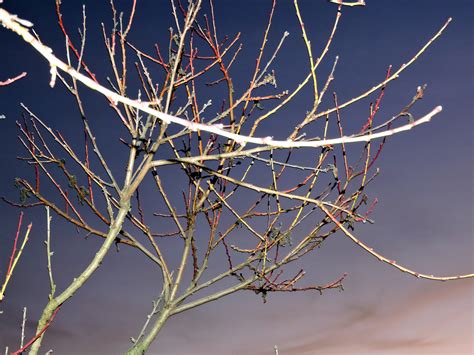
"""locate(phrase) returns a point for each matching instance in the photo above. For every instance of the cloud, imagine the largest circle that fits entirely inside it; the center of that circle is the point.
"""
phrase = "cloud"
(404, 325)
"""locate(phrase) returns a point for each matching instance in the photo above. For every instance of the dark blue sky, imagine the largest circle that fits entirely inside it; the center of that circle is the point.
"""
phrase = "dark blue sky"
(423, 218)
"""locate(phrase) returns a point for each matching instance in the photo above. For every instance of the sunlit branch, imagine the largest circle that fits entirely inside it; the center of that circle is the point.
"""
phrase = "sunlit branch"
(9, 22)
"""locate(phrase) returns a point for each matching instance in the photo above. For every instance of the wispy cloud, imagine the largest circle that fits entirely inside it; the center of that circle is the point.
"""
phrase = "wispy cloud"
(374, 326)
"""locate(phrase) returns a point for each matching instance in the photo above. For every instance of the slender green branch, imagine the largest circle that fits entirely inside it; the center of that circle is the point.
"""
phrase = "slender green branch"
(49, 254)
(57, 301)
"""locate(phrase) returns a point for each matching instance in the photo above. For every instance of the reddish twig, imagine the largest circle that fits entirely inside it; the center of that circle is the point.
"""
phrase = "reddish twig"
(12, 256)
(37, 336)
(12, 80)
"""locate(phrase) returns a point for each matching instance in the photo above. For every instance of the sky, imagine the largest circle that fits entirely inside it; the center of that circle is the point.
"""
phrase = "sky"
(423, 218)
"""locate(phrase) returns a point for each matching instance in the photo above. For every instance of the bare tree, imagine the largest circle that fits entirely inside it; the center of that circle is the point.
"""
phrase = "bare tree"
(244, 195)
